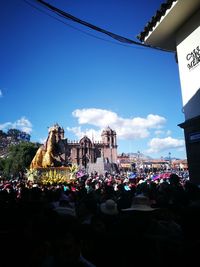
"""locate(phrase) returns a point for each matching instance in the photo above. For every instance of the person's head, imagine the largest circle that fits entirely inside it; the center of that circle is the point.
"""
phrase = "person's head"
(140, 202)
(174, 179)
(109, 207)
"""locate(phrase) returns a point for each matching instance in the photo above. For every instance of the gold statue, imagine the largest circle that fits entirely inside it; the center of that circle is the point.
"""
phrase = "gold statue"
(45, 157)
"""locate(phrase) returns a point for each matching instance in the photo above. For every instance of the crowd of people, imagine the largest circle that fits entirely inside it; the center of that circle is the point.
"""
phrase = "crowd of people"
(100, 220)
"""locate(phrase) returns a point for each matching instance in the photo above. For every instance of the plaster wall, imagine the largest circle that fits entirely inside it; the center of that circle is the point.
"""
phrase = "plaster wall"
(188, 53)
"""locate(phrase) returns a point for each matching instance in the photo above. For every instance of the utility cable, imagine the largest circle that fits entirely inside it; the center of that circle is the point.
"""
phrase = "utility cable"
(77, 29)
(96, 28)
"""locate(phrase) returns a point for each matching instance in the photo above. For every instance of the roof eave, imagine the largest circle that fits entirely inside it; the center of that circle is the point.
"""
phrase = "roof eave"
(163, 33)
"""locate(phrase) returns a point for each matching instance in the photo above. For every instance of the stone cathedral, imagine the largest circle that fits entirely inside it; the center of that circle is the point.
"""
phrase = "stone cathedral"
(58, 151)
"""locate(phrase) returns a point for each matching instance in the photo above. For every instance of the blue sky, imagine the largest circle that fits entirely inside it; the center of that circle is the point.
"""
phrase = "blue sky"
(54, 72)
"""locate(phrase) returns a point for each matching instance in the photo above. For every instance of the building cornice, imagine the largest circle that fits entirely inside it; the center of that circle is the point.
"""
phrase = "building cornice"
(161, 30)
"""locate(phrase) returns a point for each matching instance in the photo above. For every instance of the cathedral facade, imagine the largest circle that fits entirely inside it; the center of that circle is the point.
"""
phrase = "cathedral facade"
(59, 151)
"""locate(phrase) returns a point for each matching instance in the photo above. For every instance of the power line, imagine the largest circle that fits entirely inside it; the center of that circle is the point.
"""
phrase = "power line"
(117, 37)
(113, 35)
(77, 29)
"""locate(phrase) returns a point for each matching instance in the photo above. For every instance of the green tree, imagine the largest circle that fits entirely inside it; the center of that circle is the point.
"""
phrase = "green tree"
(19, 159)
(5, 167)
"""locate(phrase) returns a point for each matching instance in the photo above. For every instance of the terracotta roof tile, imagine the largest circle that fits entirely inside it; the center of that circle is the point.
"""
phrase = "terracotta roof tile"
(156, 18)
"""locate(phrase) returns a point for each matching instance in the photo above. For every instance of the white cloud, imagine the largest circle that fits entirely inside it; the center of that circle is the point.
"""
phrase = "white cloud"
(1, 93)
(126, 128)
(5, 126)
(91, 133)
(168, 132)
(162, 144)
(162, 132)
(135, 128)
(22, 124)
(97, 117)
(159, 132)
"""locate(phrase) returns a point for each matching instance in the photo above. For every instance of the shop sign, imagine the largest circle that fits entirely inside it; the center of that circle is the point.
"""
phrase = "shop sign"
(194, 137)
(193, 57)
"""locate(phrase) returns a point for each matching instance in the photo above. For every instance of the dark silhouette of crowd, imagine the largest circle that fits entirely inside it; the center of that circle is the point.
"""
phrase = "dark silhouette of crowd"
(100, 221)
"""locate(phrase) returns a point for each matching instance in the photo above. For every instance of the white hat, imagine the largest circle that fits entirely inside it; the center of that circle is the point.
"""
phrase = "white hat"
(109, 207)
(140, 203)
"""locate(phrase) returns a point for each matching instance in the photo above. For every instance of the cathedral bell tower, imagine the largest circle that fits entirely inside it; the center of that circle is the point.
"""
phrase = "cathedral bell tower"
(109, 141)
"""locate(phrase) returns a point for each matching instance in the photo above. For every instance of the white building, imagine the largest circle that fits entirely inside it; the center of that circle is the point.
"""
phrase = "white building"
(176, 27)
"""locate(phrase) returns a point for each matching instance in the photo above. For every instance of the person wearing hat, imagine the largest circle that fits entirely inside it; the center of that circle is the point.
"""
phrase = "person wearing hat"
(109, 213)
(109, 207)
(140, 203)
(140, 216)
